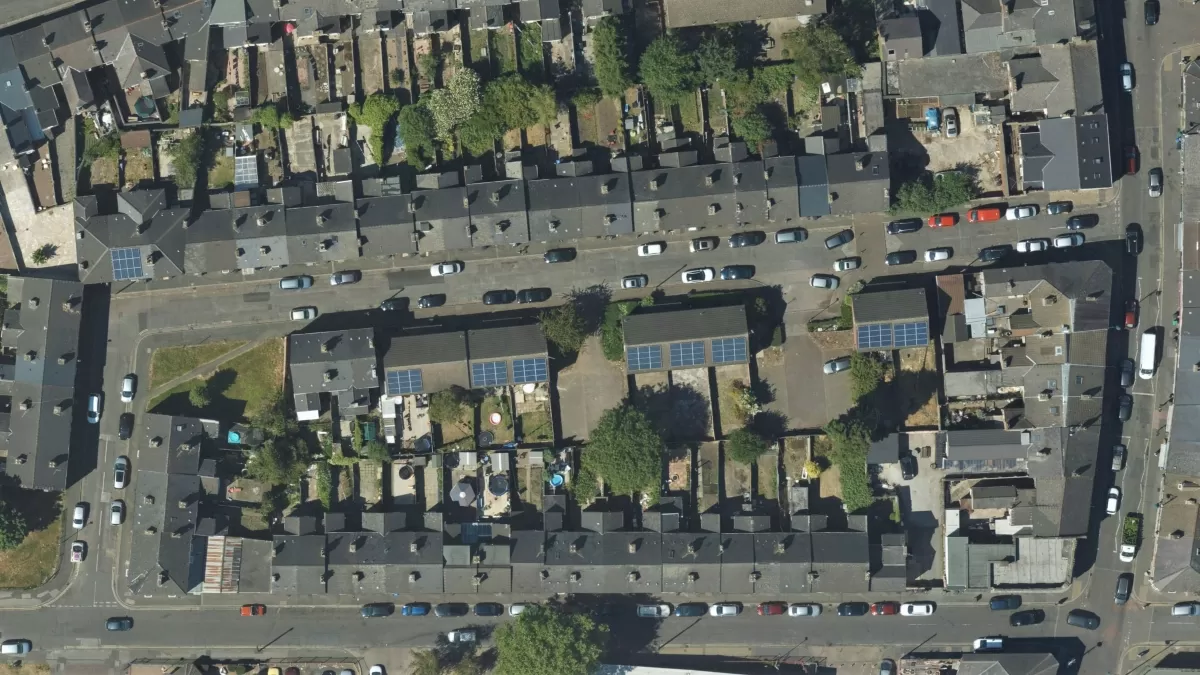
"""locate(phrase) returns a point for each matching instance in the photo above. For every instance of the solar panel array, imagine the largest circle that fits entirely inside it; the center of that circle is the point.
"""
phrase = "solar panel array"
(530, 370)
(875, 336)
(404, 382)
(886, 335)
(915, 334)
(684, 354)
(648, 357)
(729, 350)
(127, 264)
(489, 374)
(245, 172)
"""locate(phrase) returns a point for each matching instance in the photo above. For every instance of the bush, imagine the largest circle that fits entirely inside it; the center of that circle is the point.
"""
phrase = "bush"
(742, 402)
(376, 451)
(851, 440)
(270, 116)
(564, 327)
(744, 446)
(455, 103)
(820, 53)
(187, 156)
(13, 527)
(611, 54)
(324, 485)
(416, 129)
(626, 451)
(612, 335)
(866, 374)
(813, 469)
(198, 395)
(927, 194)
(753, 127)
(376, 113)
(668, 70)
(586, 99)
(42, 254)
(447, 406)
(106, 146)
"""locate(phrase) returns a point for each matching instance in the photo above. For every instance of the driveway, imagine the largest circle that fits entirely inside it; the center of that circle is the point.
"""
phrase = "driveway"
(586, 389)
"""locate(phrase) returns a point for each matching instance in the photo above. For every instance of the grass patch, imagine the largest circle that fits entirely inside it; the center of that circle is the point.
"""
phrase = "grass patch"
(503, 432)
(533, 491)
(33, 562)
(504, 50)
(768, 476)
(24, 669)
(536, 426)
(612, 334)
(221, 173)
(237, 390)
(531, 50)
(168, 363)
(689, 114)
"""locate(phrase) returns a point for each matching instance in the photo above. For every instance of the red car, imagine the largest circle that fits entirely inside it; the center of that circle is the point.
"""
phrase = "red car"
(1131, 314)
(943, 220)
(254, 610)
(1131, 159)
(772, 608)
(885, 608)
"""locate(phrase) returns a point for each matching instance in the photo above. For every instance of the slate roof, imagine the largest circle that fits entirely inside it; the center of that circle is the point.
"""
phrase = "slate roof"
(580, 206)
(1069, 153)
(686, 13)
(490, 344)
(141, 220)
(690, 324)
(859, 182)
(333, 361)
(902, 38)
(878, 306)
(1088, 284)
(686, 196)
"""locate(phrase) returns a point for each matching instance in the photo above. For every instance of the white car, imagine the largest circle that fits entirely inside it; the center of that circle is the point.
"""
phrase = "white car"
(656, 248)
(702, 244)
(1114, 501)
(846, 264)
(445, 269)
(121, 473)
(464, 635)
(936, 254)
(516, 608)
(1068, 240)
(725, 609)
(654, 611)
(1021, 212)
(78, 551)
(698, 275)
(127, 389)
(635, 281)
(79, 517)
(826, 281)
(804, 609)
(93, 410)
(116, 512)
(304, 313)
(376, 669)
(1032, 245)
(917, 609)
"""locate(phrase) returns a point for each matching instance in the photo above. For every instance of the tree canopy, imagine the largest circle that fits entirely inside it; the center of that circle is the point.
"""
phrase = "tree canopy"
(851, 438)
(565, 327)
(744, 446)
(612, 56)
(417, 130)
(455, 103)
(626, 452)
(668, 71)
(717, 58)
(510, 102)
(821, 53)
(752, 126)
(187, 157)
(448, 405)
(547, 640)
(270, 116)
(198, 394)
(935, 195)
(13, 527)
(376, 113)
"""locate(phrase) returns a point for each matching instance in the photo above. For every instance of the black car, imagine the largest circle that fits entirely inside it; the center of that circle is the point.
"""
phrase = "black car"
(451, 609)
(395, 304)
(1055, 208)
(429, 301)
(1127, 369)
(533, 295)
(125, 426)
(1082, 222)
(119, 623)
(839, 239)
(905, 226)
(499, 297)
(376, 610)
(1133, 239)
(1124, 588)
(901, 258)
(1151, 12)
(1028, 617)
(1003, 602)
(853, 609)
(994, 253)
(489, 609)
(1083, 619)
(559, 255)
(691, 609)
(730, 272)
(742, 239)
(908, 467)
(1124, 407)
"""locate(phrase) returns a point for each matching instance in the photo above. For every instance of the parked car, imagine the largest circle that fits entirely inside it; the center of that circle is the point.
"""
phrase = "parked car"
(985, 214)
(826, 281)
(887, 667)
(1118, 457)
(837, 365)
(528, 295)
(908, 466)
(78, 551)
(376, 610)
(517, 608)
(1082, 222)
(989, 644)
(1185, 609)
(504, 297)
(254, 610)
(127, 388)
(654, 611)
(744, 239)
(116, 512)
(721, 609)
(1131, 314)
(304, 313)
(885, 608)
(431, 301)
(488, 609)
(120, 472)
(460, 636)
(1124, 588)
(79, 516)
(703, 244)
(1156, 182)
(445, 269)
(1056, 208)
(691, 609)
(15, 647)
(917, 609)
(1114, 501)
(119, 623)
(900, 258)
(635, 281)
(1068, 240)
(656, 248)
(376, 669)
(906, 226)
(1133, 239)
(1124, 407)
(804, 609)
(125, 426)
(93, 409)
(938, 254)
(1004, 602)
(345, 277)
(943, 220)
(1032, 245)
(1131, 159)
(840, 239)
(847, 264)
(772, 608)
(1127, 76)
(698, 275)
(994, 253)
(792, 235)
(296, 283)
(1028, 617)
(853, 609)
(734, 272)
(1127, 368)
(1021, 212)
(393, 304)
(950, 120)
(559, 255)
(451, 609)
(1151, 12)
(1083, 619)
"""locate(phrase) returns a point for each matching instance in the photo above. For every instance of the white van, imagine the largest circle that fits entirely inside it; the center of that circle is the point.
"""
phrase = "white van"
(1146, 354)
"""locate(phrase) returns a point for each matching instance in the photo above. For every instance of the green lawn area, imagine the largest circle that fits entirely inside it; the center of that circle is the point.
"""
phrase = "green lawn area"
(503, 431)
(536, 426)
(768, 476)
(504, 50)
(532, 493)
(33, 562)
(221, 173)
(237, 389)
(532, 61)
(168, 363)
(689, 114)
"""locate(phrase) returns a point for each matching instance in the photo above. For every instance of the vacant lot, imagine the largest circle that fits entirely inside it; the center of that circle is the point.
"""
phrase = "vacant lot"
(237, 391)
(33, 562)
(916, 388)
(169, 363)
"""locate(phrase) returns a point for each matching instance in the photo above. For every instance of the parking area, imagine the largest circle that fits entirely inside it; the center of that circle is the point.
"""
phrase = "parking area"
(977, 148)
(586, 389)
(922, 503)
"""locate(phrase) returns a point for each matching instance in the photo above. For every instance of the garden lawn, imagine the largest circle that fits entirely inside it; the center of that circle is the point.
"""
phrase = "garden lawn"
(237, 389)
(33, 562)
(536, 426)
(504, 431)
(168, 363)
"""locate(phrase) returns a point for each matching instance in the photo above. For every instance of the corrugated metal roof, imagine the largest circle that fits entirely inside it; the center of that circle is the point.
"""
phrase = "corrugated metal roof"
(689, 324)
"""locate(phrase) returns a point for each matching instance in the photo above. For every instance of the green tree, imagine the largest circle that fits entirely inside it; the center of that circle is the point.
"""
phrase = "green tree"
(417, 131)
(820, 53)
(612, 332)
(447, 406)
(935, 195)
(376, 451)
(13, 527)
(42, 254)
(520, 104)
(198, 394)
(744, 446)
(626, 451)
(716, 58)
(426, 662)
(668, 70)
(752, 126)
(851, 439)
(585, 99)
(866, 374)
(377, 113)
(277, 462)
(611, 53)
(546, 640)
(478, 135)
(565, 327)
(456, 103)
(271, 117)
(187, 158)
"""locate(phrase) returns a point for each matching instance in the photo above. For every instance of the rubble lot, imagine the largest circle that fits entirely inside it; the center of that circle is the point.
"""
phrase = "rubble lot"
(975, 146)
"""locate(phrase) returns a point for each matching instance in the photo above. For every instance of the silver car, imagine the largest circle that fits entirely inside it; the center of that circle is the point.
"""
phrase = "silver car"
(826, 281)
(837, 365)
(343, 278)
(121, 473)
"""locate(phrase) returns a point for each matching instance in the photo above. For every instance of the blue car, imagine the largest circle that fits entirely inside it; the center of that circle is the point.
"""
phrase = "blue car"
(415, 609)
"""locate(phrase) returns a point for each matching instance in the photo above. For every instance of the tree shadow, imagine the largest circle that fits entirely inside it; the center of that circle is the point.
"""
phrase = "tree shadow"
(771, 424)
(680, 412)
(39, 508)
(590, 303)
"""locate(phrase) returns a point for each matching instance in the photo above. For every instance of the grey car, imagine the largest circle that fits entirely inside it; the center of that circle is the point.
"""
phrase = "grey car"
(837, 365)
(296, 283)
(840, 239)
(343, 278)
(793, 235)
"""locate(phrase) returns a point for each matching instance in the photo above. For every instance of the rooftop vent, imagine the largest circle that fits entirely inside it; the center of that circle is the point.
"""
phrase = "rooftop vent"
(633, 576)
(413, 577)
(576, 576)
